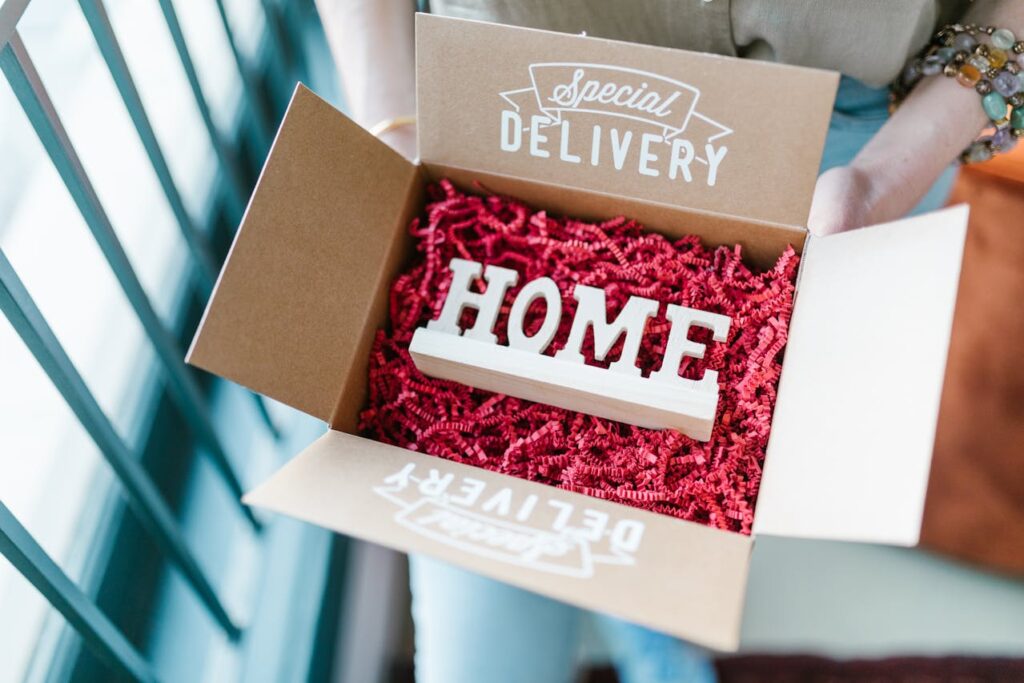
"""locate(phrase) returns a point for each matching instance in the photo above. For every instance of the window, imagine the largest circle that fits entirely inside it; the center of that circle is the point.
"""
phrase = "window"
(54, 478)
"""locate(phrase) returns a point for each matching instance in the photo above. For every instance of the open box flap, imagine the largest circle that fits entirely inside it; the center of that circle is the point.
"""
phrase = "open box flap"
(855, 418)
(525, 103)
(678, 577)
(286, 317)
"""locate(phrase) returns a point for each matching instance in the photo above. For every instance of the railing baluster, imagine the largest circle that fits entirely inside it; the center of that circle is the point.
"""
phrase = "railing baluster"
(103, 32)
(10, 13)
(281, 62)
(291, 14)
(239, 192)
(101, 636)
(152, 511)
(257, 107)
(96, 15)
(30, 92)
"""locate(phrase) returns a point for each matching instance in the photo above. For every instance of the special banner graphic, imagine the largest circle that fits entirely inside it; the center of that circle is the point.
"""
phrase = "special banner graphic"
(666, 106)
(544, 534)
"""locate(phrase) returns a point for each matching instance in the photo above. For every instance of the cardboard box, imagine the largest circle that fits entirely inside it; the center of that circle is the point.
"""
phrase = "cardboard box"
(305, 288)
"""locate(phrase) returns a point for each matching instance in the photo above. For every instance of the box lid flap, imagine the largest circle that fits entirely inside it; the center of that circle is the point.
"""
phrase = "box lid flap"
(286, 315)
(678, 577)
(854, 424)
(714, 134)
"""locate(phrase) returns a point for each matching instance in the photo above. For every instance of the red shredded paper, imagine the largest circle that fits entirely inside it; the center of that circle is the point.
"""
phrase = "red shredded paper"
(713, 483)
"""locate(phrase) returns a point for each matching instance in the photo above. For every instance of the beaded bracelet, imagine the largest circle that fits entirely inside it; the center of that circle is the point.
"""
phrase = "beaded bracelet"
(995, 71)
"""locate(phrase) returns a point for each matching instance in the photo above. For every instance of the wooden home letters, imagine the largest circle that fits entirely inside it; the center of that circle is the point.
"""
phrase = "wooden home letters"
(474, 357)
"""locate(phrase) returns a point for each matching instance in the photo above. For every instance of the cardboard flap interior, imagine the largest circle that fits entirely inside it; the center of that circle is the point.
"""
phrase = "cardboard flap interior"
(683, 578)
(854, 425)
(286, 317)
(714, 134)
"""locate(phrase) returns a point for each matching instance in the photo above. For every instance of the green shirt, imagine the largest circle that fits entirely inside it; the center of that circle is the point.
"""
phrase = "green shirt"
(869, 40)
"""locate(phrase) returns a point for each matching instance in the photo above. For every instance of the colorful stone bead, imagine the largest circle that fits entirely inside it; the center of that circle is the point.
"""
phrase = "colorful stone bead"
(977, 152)
(1006, 84)
(994, 105)
(1017, 118)
(997, 58)
(932, 65)
(967, 76)
(1003, 38)
(945, 53)
(965, 41)
(1003, 140)
(911, 75)
(978, 62)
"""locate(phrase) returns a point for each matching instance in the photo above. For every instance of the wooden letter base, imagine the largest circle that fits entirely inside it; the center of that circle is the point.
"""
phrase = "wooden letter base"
(585, 388)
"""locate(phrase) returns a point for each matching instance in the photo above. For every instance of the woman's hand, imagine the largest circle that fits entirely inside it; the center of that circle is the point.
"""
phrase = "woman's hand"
(843, 200)
(905, 158)
(891, 173)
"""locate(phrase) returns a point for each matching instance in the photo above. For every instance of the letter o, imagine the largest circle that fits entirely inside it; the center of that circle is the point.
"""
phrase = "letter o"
(541, 287)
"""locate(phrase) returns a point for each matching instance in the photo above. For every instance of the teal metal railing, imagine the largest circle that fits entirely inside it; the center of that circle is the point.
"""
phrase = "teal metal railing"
(17, 66)
(264, 89)
(229, 164)
(202, 253)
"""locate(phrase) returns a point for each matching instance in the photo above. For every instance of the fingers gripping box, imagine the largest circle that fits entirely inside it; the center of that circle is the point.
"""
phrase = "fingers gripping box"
(682, 142)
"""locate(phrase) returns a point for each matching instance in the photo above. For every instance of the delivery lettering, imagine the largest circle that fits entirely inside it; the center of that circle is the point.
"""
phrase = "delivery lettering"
(543, 129)
(547, 534)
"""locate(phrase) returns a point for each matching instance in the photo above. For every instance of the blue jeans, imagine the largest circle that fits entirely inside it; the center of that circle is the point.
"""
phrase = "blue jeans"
(470, 629)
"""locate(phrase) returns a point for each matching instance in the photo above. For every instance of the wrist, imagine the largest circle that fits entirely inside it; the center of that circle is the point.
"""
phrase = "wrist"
(920, 141)
(984, 62)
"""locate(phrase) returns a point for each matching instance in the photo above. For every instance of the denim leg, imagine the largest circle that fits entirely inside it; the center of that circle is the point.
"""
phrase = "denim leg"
(470, 629)
(645, 656)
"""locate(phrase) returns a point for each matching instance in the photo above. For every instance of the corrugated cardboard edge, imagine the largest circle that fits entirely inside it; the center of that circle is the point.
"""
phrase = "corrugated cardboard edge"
(855, 418)
(684, 578)
(306, 262)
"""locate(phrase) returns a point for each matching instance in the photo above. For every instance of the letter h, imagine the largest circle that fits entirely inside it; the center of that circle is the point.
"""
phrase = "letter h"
(460, 297)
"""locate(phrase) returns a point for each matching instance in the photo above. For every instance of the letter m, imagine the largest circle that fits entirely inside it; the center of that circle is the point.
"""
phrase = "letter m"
(592, 312)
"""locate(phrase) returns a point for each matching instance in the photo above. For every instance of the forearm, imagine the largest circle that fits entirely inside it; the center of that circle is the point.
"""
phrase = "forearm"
(932, 126)
(929, 130)
(373, 47)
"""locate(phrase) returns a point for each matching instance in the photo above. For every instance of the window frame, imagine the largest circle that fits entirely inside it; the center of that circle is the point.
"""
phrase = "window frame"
(312, 559)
